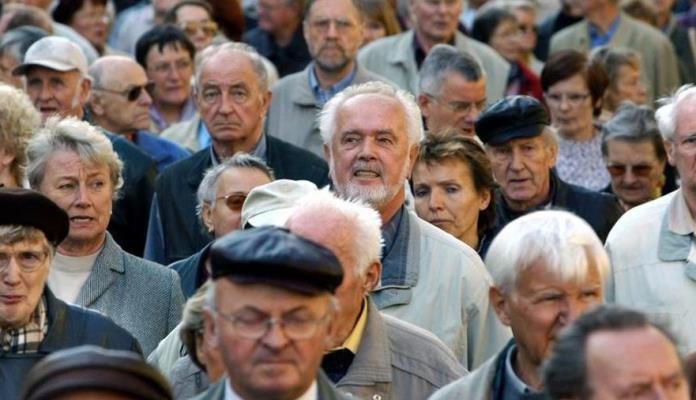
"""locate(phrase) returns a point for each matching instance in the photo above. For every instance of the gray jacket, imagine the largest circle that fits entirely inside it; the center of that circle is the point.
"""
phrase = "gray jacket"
(143, 297)
(397, 360)
(475, 386)
(292, 115)
(394, 58)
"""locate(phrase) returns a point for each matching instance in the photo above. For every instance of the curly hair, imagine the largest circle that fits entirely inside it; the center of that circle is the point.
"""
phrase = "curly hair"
(18, 121)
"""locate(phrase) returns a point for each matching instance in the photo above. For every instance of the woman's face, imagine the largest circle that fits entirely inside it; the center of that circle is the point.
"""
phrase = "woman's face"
(570, 104)
(92, 23)
(505, 41)
(446, 197)
(373, 29)
(626, 87)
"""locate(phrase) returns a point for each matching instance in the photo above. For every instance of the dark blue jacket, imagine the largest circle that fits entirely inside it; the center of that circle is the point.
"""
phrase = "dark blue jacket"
(190, 271)
(68, 326)
(164, 152)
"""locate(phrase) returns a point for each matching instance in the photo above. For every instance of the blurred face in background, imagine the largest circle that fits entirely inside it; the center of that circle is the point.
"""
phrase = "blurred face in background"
(92, 22)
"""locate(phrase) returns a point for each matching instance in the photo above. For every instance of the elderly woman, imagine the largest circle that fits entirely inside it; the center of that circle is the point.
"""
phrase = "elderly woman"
(453, 188)
(74, 165)
(634, 155)
(623, 70)
(573, 89)
(18, 120)
(379, 20)
(89, 18)
(548, 267)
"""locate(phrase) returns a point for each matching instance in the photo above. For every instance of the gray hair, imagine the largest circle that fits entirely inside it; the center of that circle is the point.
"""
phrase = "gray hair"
(71, 134)
(12, 234)
(244, 49)
(192, 321)
(354, 226)
(666, 115)
(565, 372)
(633, 124)
(208, 186)
(18, 121)
(16, 42)
(328, 116)
(442, 60)
(562, 242)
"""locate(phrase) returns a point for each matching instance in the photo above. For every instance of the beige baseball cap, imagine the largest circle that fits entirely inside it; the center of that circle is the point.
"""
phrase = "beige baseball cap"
(56, 53)
(272, 203)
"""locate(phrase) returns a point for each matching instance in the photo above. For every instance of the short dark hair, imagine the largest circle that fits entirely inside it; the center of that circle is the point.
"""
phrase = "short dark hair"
(565, 64)
(633, 124)
(487, 20)
(449, 145)
(65, 9)
(170, 18)
(565, 372)
(161, 36)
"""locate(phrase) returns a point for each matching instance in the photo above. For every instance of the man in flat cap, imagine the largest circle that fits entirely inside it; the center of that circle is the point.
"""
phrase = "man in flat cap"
(522, 149)
(270, 313)
(33, 322)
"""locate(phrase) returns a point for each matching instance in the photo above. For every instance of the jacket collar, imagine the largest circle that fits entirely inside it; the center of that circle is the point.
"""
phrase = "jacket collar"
(200, 162)
(672, 246)
(56, 312)
(107, 268)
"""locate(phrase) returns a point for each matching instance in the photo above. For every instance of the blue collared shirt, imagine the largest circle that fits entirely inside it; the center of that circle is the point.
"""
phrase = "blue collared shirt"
(515, 388)
(323, 95)
(597, 38)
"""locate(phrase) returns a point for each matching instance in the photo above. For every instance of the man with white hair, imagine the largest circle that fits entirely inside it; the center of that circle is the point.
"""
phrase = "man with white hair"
(371, 133)
(652, 246)
(548, 267)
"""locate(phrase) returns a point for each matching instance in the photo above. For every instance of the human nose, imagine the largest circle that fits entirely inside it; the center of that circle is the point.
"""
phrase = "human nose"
(629, 176)
(367, 149)
(275, 337)
(82, 197)
(11, 272)
(435, 200)
(516, 161)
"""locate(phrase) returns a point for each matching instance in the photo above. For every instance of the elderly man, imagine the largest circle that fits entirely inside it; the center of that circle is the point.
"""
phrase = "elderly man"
(119, 104)
(548, 267)
(654, 271)
(605, 24)
(333, 30)
(57, 81)
(232, 97)
(278, 35)
(615, 353)
(373, 355)
(523, 149)
(451, 90)
(270, 315)
(371, 133)
(400, 57)
(33, 322)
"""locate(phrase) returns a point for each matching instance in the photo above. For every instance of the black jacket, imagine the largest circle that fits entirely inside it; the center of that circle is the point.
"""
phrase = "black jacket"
(600, 210)
(68, 326)
(176, 189)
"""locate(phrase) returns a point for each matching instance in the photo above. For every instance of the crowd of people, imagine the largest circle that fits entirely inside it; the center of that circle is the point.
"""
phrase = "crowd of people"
(334, 199)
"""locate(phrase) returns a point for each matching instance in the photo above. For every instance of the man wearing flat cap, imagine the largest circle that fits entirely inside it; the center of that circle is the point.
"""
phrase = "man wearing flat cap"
(33, 322)
(522, 149)
(270, 313)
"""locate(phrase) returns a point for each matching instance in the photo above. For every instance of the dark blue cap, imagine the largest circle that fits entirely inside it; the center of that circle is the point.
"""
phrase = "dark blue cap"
(511, 117)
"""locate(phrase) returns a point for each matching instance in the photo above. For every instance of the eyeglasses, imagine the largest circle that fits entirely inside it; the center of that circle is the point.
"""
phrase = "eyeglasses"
(28, 261)
(294, 327)
(460, 107)
(233, 201)
(324, 24)
(572, 98)
(640, 170)
(132, 93)
(190, 28)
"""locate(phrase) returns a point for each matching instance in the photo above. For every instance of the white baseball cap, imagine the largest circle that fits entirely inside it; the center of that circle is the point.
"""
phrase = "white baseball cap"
(56, 53)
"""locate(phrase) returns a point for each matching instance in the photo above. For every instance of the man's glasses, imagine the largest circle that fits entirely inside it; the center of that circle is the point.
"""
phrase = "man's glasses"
(256, 327)
(28, 261)
(640, 170)
(460, 107)
(233, 201)
(132, 93)
(190, 28)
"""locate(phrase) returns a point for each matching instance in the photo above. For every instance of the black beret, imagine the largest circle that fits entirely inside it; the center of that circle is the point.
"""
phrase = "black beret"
(29, 208)
(94, 368)
(275, 256)
(511, 117)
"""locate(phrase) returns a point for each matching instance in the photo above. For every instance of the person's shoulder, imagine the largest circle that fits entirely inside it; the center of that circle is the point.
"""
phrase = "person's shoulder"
(388, 43)
(475, 385)
(94, 327)
(645, 218)
(571, 31)
(290, 82)
(437, 237)
(185, 165)
(289, 151)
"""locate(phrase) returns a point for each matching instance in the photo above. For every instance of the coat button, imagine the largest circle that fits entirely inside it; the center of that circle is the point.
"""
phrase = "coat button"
(376, 397)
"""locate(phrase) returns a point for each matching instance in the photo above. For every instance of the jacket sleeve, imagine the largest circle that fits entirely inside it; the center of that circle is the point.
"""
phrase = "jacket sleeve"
(176, 301)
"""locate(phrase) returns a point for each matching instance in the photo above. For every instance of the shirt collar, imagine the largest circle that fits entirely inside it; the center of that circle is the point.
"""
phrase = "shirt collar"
(352, 342)
(258, 151)
(323, 95)
(679, 217)
(516, 387)
(600, 39)
(311, 394)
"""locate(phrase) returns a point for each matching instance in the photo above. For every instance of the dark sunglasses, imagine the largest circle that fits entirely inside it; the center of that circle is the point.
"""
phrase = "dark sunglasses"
(233, 201)
(641, 170)
(132, 94)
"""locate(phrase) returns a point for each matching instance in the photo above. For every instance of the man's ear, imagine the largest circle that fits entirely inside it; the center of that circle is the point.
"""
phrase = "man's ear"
(669, 149)
(372, 275)
(499, 302)
(413, 155)
(85, 89)
(207, 217)
(424, 105)
(96, 104)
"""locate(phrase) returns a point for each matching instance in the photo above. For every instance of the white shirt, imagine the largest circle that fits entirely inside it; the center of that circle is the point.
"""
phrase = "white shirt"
(310, 394)
(68, 274)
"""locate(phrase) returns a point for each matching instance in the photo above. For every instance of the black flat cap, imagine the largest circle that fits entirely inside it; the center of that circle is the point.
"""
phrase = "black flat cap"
(511, 117)
(94, 368)
(29, 208)
(274, 256)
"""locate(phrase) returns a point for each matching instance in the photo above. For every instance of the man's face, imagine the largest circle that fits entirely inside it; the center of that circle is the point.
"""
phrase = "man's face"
(275, 15)
(638, 363)
(540, 304)
(436, 20)
(681, 149)
(333, 31)
(521, 166)
(636, 172)
(370, 156)
(230, 99)
(112, 106)
(170, 72)
(457, 106)
(232, 187)
(273, 366)
(57, 93)
(20, 290)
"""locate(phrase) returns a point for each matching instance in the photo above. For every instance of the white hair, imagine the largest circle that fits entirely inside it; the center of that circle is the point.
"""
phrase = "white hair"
(414, 123)
(666, 115)
(563, 243)
(256, 60)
